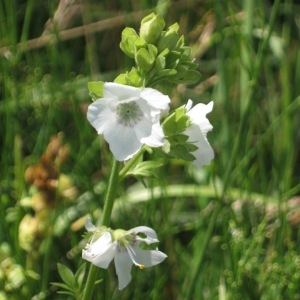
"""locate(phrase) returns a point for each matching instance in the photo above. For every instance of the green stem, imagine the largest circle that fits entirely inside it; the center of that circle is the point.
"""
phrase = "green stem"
(131, 163)
(108, 206)
(111, 193)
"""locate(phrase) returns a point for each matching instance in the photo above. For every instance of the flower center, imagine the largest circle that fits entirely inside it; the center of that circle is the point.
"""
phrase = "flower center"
(129, 113)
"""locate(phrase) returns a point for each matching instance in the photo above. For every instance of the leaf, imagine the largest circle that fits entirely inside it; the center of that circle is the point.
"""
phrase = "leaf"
(96, 89)
(67, 275)
(63, 286)
(79, 275)
(180, 151)
(145, 169)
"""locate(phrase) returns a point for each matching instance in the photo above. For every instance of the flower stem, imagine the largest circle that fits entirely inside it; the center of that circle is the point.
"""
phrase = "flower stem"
(108, 206)
(111, 193)
(131, 163)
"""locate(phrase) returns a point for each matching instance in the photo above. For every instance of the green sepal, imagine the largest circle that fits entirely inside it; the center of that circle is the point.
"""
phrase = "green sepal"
(169, 40)
(167, 72)
(121, 79)
(139, 44)
(132, 78)
(127, 44)
(151, 28)
(144, 60)
(96, 89)
(135, 78)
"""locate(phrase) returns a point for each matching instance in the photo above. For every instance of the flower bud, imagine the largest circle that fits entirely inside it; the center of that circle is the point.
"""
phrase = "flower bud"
(151, 28)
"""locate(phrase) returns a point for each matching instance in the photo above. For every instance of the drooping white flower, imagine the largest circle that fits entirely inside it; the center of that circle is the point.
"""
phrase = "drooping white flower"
(128, 117)
(123, 247)
(198, 130)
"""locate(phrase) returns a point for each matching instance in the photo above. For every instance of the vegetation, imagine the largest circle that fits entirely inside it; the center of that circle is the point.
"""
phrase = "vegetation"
(230, 230)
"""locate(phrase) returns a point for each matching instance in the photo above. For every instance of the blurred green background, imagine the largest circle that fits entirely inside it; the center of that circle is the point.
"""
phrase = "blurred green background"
(230, 230)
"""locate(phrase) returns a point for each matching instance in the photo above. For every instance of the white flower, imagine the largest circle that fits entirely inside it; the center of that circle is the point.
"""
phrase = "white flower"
(128, 117)
(198, 130)
(123, 247)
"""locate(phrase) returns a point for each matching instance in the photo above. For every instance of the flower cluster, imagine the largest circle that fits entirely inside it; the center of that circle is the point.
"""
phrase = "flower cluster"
(122, 246)
(130, 114)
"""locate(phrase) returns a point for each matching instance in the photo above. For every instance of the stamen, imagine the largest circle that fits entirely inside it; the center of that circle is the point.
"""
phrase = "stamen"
(131, 254)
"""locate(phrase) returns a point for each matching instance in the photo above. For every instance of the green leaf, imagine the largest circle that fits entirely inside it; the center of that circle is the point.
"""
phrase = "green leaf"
(183, 123)
(178, 139)
(184, 76)
(177, 122)
(80, 273)
(96, 89)
(67, 275)
(181, 152)
(63, 286)
(191, 147)
(145, 169)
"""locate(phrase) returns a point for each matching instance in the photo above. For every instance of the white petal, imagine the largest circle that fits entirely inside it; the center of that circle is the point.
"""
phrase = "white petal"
(100, 115)
(101, 252)
(119, 91)
(155, 98)
(149, 112)
(89, 225)
(149, 133)
(123, 265)
(204, 154)
(189, 105)
(148, 258)
(151, 236)
(143, 129)
(198, 112)
(122, 140)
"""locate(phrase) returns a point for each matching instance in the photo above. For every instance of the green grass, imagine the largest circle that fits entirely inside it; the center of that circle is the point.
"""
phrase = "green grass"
(230, 230)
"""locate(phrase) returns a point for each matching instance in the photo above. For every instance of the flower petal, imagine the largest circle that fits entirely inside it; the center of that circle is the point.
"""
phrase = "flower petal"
(151, 236)
(89, 225)
(122, 140)
(155, 98)
(148, 258)
(204, 154)
(101, 252)
(100, 115)
(123, 265)
(149, 133)
(198, 113)
(119, 91)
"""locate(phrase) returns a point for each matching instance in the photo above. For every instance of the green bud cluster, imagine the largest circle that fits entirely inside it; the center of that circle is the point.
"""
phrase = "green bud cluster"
(176, 142)
(161, 57)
